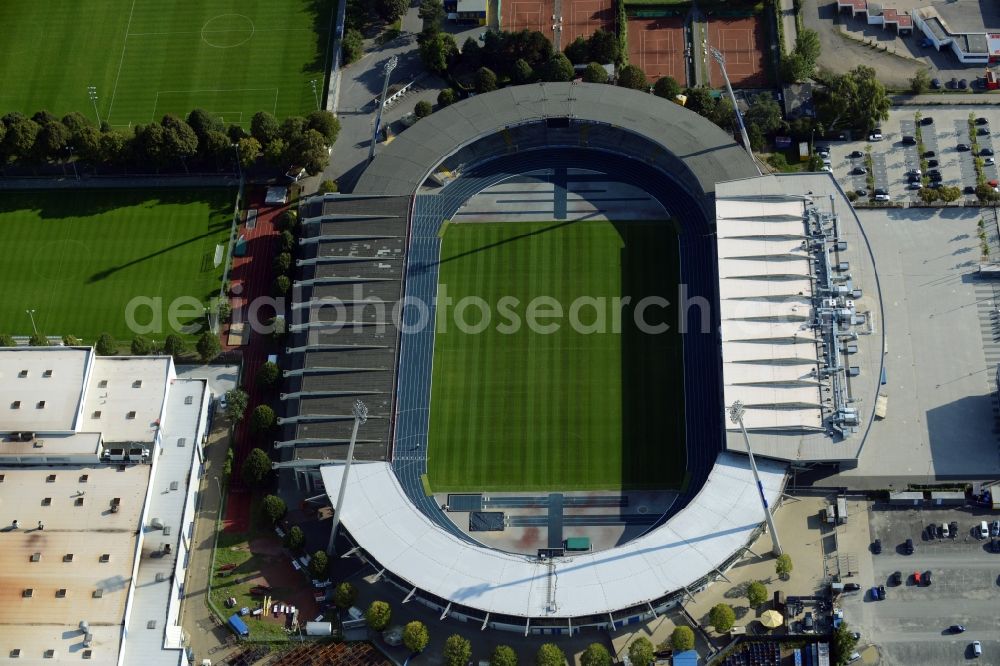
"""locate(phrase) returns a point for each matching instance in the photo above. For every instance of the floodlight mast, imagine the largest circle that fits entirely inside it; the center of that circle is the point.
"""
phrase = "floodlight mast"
(721, 59)
(360, 412)
(92, 94)
(736, 413)
(389, 66)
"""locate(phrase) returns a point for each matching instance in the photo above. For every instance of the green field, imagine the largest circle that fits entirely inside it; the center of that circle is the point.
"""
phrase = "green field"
(77, 258)
(567, 410)
(151, 57)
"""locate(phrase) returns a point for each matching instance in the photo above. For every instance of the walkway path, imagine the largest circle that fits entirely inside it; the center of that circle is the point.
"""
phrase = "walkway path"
(788, 26)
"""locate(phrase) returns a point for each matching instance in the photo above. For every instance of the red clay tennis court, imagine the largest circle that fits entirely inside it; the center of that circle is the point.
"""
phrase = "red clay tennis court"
(582, 18)
(656, 46)
(742, 42)
(527, 15)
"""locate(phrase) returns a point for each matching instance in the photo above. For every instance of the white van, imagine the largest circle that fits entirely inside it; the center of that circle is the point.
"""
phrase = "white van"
(944, 530)
(984, 530)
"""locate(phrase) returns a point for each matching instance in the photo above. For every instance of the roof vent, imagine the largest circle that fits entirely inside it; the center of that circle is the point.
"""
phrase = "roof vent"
(166, 530)
(105, 557)
(27, 593)
(181, 441)
(22, 374)
(87, 654)
(84, 477)
(16, 404)
(151, 624)
(78, 501)
(189, 400)
(96, 414)
(50, 478)
(15, 653)
(102, 384)
(137, 383)
(130, 415)
(41, 404)
(98, 593)
(61, 593)
(47, 373)
(50, 654)
(160, 576)
(46, 501)
(68, 557)
(156, 524)
(35, 557)
(174, 485)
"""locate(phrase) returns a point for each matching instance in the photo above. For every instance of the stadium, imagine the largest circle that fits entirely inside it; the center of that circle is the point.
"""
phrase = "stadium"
(571, 190)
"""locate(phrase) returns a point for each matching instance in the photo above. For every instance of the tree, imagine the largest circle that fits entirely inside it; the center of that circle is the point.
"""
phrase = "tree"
(216, 145)
(38, 340)
(235, 133)
(268, 375)
(756, 137)
(550, 654)
(256, 468)
(208, 346)
(844, 643)
(457, 651)
(76, 122)
(325, 187)
(486, 80)
(52, 139)
(921, 81)
(344, 596)
(20, 138)
(765, 113)
(783, 565)
(928, 195)
(423, 109)
(503, 655)
(631, 76)
(292, 128)
(640, 652)
(248, 149)
(522, 72)
(282, 262)
(472, 54)
(949, 193)
(437, 51)
(67, 340)
(114, 147)
(431, 13)
(756, 593)
(578, 52)
(378, 615)
(667, 88)
(446, 97)
(236, 404)
(202, 122)
(288, 238)
(595, 73)
(142, 346)
(276, 153)
(352, 47)
(273, 508)
(415, 636)
(179, 141)
(807, 45)
(262, 419)
(264, 127)
(858, 98)
(558, 68)
(722, 617)
(595, 655)
(682, 639)
(700, 101)
(311, 150)
(796, 68)
(105, 345)
(295, 538)
(390, 10)
(603, 47)
(7, 340)
(318, 565)
(86, 144)
(325, 123)
(281, 285)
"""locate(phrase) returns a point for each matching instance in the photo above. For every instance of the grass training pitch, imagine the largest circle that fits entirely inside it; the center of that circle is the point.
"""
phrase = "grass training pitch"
(150, 57)
(568, 409)
(78, 257)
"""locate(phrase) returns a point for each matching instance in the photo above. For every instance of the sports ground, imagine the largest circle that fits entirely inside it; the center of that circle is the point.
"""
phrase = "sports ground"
(743, 43)
(517, 409)
(78, 257)
(657, 46)
(146, 58)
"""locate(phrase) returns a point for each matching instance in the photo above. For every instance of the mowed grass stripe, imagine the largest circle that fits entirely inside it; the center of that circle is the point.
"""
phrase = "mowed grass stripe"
(82, 256)
(546, 411)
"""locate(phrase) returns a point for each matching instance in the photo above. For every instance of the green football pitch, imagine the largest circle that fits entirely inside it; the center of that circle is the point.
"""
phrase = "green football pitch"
(150, 57)
(77, 258)
(584, 407)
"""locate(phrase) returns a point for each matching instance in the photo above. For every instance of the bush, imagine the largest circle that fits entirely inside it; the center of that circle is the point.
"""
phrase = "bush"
(256, 468)
(208, 346)
(282, 262)
(549, 654)
(682, 639)
(558, 68)
(594, 73)
(352, 46)
(640, 652)
(268, 375)
(141, 346)
(327, 187)
(423, 109)
(345, 595)
(236, 404)
(503, 655)
(632, 77)
(318, 565)
(295, 539)
(263, 419)
(105, 345)
(446, 97)
(415, 636)
(783, 565)
(378, 615)
(7, 340)
(756, 593)
(287, 241)
(282, 284)
(667, 88)
(852, 196)
(595, 655)
(457, 651)
(273, 508)
(486, 80)
(38, 340)
(69, 341)
(722, 617)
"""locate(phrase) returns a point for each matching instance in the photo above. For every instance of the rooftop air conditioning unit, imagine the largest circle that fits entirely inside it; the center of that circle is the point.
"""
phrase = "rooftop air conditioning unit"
(156, 523)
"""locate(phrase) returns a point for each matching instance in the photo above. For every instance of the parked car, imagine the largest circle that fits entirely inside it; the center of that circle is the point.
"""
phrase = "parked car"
(936, 84)
(862, 192)
(851, 587)
(963, 84)
(859, 171)
(915, 185)
(953, 525)
(929, 153)
(932, 163)
(882, 197)
(983, 131)
(989, 161)
(931, 531)
(934, 175)
(956, 628)
(827, 168)
(986, 152)
(927, 578)
(878, 191)
(995, 528)
(982, 121)
(909, 140)
(968, 189)
(856, 154)
(962, 147)
(927, 120)
(977, 648)
(875, 136)
(896, 578)
(908, 547)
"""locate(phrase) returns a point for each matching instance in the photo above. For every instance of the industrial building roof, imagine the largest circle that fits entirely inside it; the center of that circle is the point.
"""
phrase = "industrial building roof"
(717, 522)
(125, 397)
(41, 387)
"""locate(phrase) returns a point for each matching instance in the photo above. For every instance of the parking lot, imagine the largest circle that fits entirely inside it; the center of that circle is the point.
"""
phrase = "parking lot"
(892, 159)
(911, 626)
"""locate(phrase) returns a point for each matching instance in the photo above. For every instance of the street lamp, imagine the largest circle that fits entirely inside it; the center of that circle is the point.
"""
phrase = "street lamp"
(389, 66)
(312, 82)
(736, 416)
(31, 315)
(360, 412)
(92, 94)
(721, 59)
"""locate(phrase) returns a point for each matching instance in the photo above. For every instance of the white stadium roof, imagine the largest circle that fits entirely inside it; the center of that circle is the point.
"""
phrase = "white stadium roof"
(716, 523)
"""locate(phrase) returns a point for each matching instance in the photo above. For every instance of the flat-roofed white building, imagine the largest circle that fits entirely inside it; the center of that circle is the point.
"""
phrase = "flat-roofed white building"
(97, 496)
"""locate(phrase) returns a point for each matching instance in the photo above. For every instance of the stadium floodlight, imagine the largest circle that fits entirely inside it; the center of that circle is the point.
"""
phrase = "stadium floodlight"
(31, 315)
(389, 66)
(315, 88)
(92, 94)
(736, 413)
(721, 59)
(360, 412)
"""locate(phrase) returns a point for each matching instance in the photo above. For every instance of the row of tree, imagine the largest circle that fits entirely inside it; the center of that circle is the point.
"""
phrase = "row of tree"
(171, 142)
